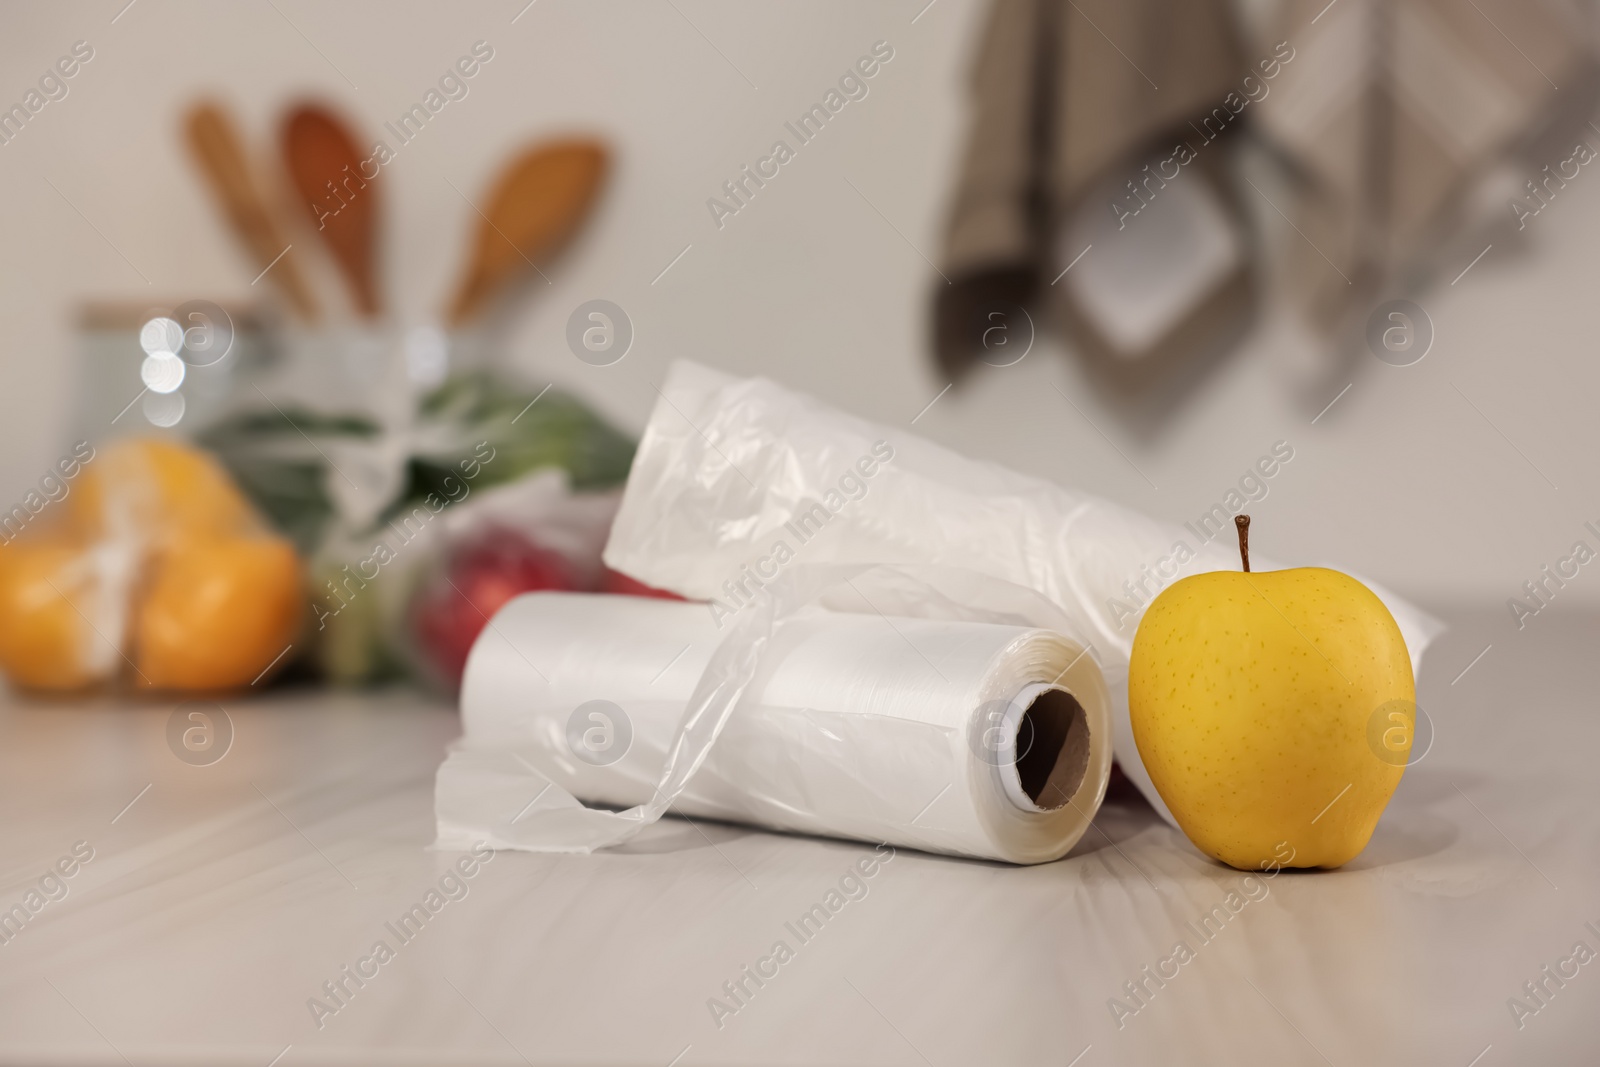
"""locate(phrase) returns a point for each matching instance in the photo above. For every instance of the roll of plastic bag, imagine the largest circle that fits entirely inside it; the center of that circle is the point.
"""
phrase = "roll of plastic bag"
(737, 481)
(950, 734)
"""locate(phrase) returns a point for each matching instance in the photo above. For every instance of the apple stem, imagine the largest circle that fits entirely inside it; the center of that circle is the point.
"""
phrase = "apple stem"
(1243, 523)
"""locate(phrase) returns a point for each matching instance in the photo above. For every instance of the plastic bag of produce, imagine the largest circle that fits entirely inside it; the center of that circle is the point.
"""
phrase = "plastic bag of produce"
(411, 594)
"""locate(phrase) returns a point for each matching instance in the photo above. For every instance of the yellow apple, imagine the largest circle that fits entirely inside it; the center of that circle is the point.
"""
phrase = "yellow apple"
(1272, 709)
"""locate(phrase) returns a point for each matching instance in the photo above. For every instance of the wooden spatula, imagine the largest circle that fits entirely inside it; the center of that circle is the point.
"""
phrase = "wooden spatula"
(219, 152)
(325, 165)
(535, 205)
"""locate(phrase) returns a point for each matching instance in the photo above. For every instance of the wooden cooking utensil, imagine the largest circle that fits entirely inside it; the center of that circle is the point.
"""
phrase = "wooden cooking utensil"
(534, 207)
(219, 152)
(325, 166)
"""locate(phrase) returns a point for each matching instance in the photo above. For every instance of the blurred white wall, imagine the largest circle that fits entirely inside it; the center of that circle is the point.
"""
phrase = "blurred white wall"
(820, 282)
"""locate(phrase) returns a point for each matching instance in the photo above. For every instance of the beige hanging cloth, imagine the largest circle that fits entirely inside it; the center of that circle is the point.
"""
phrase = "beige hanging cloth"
(1390, 113)
(1068, 95)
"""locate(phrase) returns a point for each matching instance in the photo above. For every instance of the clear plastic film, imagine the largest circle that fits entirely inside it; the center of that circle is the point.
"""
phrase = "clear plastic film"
(737, 481)
(979, 729)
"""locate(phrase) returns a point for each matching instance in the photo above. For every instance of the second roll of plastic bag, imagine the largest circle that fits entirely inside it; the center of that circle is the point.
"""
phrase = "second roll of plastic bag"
(736, 481)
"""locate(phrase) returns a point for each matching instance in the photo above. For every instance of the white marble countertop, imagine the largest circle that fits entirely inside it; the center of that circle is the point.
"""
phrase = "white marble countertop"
(220, 898)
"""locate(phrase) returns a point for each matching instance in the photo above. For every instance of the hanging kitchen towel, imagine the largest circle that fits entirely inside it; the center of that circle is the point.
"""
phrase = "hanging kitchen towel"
(1071, 98)
(1391, 112)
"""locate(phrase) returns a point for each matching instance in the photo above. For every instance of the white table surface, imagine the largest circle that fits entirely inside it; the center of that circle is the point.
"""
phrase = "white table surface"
(223, 898)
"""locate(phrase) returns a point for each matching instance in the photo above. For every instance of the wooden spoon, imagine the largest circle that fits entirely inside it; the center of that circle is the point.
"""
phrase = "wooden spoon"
(325, 165)
(217, 149)
(534, 207)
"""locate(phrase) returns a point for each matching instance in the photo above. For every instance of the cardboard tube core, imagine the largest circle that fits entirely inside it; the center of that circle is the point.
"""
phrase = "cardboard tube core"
(1048, 751)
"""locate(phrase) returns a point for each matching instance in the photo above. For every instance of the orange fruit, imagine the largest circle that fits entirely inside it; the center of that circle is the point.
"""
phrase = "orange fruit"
(155, 490)
(216, 612)
(156, 553)
(48, 593)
